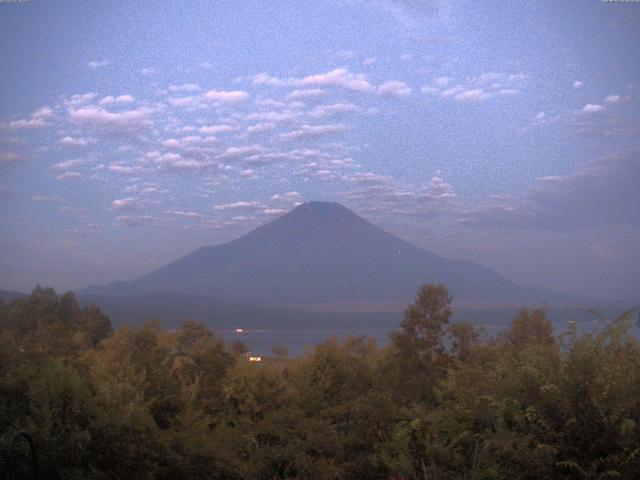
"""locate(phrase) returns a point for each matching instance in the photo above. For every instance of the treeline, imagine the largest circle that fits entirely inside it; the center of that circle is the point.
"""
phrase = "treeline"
(437, 403)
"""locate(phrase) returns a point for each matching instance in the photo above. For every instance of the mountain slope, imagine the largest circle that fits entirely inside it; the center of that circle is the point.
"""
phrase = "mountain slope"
(318, 252)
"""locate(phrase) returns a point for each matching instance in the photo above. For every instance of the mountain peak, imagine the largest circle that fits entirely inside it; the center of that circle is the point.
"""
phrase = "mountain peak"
(318, 252)
(315, 207)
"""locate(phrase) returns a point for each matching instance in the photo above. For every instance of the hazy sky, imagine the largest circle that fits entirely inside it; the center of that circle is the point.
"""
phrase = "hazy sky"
(507, 133)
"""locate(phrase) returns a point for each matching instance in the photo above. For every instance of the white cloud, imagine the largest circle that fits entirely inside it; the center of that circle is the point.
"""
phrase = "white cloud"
(592, 108)
(191, 101)
(68, 164)
(406, 57)
(185, 214)
(246, 150)
(442, 82)
(80, 99)
(612, 99)
(185, 87)
(306, 93)
(394, 88)
(223, 96)
(128, 121)
(310, 131)
(136, 220)
(73, 142)
(340, 77)
(477, 94)
(322, 111)
(69, 175)
(94, 64)
(121, 99)
(289, 197)
(243, 205)
(273, 116)
(124, 169)
(127, 203)
(265, 79)
(261, 127)
(222, 128)
(577, 84)
(176, 161)
(37, 119)
(484, 86)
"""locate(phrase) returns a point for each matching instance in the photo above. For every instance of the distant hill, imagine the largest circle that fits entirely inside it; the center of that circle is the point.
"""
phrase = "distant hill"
(8, 295)
(319, 252)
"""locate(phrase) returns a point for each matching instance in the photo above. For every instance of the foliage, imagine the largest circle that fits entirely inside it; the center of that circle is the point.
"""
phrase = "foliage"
(438, 402)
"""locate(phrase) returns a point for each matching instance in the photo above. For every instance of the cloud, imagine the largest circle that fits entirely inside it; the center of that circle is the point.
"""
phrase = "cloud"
(577, 84)
(9, 157)
(394, 88)
(224, 96)
(185, 214)
(382, 195)
(542, 118)
(242, 206)
(442, 82)
(246, 150)
(80, 99)
(306, 93)
(127, 203)
(474, 95)
(339, 77)
(322, 111)
(135, 220)
(37, 119)
(124, 169)
(265, 79)
(46, 199)
(73, 142)
(185, 87)
(274, 116)
(604, 193)
(261, 127)
(592, 108)
(95, 64)
(288, 198)
(176, 161)
(612, 99)
(68, 164)
(311, 131)
(69, 175)
(213, 129)
(121, 99)
(482, 87)
(127, 121)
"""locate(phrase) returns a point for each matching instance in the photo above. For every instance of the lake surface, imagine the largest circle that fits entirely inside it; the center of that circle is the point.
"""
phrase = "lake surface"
(299, 340)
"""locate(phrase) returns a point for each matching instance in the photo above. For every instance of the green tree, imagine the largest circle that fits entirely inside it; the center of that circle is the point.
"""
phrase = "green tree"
(420, 356)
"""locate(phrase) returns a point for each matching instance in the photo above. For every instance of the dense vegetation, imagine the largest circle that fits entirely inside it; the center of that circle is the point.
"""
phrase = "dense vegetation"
(437, 403)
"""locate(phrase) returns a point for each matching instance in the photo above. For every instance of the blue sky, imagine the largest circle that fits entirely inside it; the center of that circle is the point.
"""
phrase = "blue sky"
(502, 132)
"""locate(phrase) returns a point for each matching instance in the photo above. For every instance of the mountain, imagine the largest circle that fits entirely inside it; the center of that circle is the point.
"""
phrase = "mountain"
(318, 252)
(8, 295)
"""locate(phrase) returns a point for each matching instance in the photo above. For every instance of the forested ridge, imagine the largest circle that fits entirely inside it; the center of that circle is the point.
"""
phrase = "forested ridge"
(441, 401)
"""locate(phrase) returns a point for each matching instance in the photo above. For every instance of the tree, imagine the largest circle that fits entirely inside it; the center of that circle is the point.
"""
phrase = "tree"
(419, 350)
